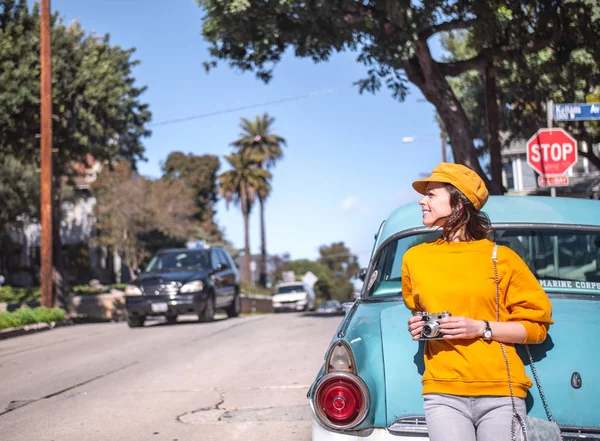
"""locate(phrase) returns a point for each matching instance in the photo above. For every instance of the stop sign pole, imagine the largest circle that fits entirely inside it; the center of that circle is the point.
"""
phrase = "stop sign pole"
(549, 121)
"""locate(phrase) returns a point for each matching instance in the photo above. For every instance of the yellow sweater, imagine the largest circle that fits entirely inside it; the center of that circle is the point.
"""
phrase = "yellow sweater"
(459, 277)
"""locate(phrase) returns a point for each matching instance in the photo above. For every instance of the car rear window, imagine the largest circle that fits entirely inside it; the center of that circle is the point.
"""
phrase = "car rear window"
(563, 260)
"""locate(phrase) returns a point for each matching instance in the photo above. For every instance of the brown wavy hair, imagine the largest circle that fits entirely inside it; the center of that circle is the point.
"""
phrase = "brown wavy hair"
(476, 224)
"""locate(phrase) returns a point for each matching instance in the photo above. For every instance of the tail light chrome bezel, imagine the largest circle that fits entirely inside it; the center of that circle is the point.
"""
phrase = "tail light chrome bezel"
(320, 412)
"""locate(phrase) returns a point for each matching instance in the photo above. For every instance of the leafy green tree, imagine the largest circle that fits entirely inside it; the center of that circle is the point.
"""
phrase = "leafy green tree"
(132, 211)
(344, 266)
(524, 86)
(97, 106)
(200, 174)
(239, 186)
(257, 138)
(19, 189)
(392, 39)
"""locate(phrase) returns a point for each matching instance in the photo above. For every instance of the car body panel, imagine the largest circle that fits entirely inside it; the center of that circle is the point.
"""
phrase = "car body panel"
(391, 363)
(176, 305)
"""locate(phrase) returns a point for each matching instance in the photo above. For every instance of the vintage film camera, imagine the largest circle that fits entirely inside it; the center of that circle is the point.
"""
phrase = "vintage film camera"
(431, 325)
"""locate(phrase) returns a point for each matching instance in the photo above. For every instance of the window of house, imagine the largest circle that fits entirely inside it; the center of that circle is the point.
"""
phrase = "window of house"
(509, 178)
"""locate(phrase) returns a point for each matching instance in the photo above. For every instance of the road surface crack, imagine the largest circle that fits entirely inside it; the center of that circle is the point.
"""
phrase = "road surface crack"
(16, 404)
(203, 414)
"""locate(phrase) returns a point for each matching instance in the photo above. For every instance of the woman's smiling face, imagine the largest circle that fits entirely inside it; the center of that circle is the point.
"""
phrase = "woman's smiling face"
(435, 205)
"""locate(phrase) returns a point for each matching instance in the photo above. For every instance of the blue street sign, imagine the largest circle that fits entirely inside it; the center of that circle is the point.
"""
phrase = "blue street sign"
(576, 112)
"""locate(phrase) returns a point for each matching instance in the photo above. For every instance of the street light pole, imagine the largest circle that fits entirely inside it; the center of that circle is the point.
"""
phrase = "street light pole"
(46, 156)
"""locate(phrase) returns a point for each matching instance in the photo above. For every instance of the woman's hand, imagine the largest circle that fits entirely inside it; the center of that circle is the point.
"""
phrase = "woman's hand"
(415, 326)
(461, 328)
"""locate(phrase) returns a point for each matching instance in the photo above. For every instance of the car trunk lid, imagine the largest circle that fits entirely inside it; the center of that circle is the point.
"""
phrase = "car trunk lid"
(570, 352)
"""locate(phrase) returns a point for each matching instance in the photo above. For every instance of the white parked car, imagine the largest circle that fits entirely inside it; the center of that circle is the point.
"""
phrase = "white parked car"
(293, 296)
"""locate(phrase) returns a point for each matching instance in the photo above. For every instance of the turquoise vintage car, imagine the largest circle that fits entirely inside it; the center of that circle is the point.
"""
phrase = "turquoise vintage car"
(369, 387)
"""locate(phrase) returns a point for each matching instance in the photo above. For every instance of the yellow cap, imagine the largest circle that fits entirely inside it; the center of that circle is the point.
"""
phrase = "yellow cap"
(463, 178)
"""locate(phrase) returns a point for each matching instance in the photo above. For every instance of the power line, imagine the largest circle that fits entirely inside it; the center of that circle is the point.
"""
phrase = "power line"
(250, 106)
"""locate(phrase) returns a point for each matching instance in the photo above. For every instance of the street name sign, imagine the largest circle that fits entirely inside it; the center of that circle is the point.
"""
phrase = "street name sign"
(551, 151)
(576, 112)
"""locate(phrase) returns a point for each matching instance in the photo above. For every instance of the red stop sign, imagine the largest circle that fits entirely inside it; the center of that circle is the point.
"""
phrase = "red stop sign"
(551, 151)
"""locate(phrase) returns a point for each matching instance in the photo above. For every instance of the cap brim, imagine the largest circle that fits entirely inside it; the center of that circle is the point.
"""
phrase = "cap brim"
(421, 185)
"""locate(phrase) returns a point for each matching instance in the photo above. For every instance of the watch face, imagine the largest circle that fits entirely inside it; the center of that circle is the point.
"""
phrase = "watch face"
(487, 334)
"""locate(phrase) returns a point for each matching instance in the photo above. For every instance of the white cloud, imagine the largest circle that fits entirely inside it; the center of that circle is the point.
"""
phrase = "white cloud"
(349, 203)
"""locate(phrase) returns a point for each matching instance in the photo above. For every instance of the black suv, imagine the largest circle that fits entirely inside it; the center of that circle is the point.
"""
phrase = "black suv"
(184, 280)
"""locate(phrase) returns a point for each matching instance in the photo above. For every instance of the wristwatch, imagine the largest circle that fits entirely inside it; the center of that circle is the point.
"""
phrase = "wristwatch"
(487, 331)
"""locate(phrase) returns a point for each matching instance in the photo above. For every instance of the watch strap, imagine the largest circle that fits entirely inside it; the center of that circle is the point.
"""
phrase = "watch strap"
(487, 330)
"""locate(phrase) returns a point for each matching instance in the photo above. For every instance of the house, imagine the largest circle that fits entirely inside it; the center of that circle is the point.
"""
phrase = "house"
(20, 258)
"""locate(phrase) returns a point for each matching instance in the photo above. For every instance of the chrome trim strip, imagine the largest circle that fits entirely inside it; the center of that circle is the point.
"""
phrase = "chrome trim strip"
(416, 425)
(346, 322)
(409, 425)
(320, 414)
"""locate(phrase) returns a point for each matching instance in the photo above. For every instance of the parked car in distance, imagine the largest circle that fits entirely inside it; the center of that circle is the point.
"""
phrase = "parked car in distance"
(369, 387)
(330, 307)
(293, 296)
(182, 281)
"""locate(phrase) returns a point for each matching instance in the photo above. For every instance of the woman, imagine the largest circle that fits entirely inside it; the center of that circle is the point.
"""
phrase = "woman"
(465, 385)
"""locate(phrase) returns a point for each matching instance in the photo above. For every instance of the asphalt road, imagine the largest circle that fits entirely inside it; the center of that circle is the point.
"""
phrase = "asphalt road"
(232, 379)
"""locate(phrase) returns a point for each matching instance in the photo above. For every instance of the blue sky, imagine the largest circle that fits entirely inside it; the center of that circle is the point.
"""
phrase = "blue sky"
(345, 167)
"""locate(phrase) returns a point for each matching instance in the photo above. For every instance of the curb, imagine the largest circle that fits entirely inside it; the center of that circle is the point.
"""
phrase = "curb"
(33, 328)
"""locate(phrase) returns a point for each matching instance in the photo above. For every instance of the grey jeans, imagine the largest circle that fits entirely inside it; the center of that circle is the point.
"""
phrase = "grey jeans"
(458, 418)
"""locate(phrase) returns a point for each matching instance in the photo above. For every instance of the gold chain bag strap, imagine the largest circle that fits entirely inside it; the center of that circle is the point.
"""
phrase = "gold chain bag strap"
(532, 429)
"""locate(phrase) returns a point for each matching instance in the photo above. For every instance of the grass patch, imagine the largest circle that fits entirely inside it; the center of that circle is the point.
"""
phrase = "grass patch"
(29, 316)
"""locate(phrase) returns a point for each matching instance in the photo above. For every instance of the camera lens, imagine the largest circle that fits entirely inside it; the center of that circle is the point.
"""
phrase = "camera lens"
(431, 330)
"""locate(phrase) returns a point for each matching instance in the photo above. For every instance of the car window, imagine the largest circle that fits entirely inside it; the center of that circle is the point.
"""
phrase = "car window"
(223, 258)
(560, 259)
(290, 289)
(216, 258)
(179, 260)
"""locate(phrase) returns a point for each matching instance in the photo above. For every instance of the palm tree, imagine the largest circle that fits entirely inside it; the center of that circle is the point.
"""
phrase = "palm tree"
(258, 139)
(240, 186)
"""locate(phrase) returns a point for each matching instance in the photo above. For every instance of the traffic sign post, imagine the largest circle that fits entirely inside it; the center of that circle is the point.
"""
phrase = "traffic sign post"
(551, 152)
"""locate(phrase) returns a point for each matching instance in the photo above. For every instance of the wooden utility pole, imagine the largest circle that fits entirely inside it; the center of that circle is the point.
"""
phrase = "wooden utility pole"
(46, 156)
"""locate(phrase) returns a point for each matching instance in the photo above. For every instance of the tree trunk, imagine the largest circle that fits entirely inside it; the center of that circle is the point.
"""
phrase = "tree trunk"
(585, 136)
(246, 213)
(425, 73)
(492, 120)
(262, 280)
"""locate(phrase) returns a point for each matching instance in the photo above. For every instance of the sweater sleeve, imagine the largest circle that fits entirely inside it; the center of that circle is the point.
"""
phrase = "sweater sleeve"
(407, 293)
(526, 301)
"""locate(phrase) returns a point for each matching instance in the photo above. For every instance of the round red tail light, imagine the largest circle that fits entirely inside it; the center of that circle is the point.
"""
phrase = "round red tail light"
(341, 400)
